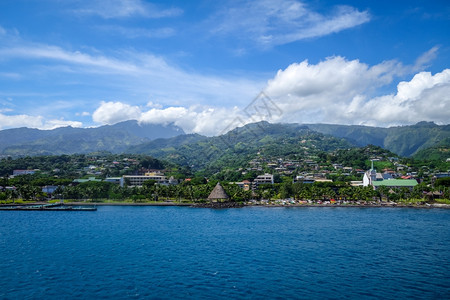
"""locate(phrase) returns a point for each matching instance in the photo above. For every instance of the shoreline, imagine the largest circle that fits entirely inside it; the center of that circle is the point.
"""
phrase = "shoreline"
(213, 205)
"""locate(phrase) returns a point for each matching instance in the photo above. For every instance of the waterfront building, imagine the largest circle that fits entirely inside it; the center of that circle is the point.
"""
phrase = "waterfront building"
(218, 193)
(376, 180)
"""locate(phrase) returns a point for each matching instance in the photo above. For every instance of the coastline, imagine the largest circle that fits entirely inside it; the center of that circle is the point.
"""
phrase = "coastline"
(208, 205)
(222, 205)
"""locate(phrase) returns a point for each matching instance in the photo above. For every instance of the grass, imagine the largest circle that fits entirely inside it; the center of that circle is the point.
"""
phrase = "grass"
(443, 201)
(412, 200)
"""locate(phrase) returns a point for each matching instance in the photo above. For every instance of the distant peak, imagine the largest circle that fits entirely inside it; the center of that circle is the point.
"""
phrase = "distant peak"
(425, 124)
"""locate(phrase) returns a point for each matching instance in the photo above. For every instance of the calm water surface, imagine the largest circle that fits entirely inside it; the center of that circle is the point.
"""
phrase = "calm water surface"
(254, 253)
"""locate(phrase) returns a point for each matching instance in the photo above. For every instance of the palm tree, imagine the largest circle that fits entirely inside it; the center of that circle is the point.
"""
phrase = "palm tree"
(384, 191)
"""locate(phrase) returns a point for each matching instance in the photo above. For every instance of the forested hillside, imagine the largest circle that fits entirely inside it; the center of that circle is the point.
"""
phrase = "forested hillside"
(68, 140)
(403, 140)
(239, 146)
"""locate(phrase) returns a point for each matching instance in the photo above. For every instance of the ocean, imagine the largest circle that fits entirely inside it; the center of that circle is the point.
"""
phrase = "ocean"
(129, 252)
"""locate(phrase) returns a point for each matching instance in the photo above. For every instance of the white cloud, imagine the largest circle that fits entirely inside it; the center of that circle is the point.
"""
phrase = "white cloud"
(38, 51)
(203, 120)
(114, 112)
(39, 122)
(335, 90)
(302, 90)
(164, 116)
(423, 60)
(276, 22)
(14, 121)
(52, 124)
(195, 119)
(425, 97)
(338, 91)
(124, 9)
(135, 73)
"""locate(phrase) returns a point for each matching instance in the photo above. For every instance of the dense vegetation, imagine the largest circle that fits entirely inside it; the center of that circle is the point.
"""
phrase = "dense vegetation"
(198, 190)
(285, 150)
(236, 148)
(403, 140)
(68, 140)
(79, 165)
(61, 170)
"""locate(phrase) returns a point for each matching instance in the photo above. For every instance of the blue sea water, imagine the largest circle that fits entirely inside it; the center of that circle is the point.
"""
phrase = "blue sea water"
(249, 253)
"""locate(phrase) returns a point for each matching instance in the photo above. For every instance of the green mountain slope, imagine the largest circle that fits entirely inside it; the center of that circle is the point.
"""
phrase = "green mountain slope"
(68, 140)
(403, 140)
(440, 152)
(240, 145)
(170, 141)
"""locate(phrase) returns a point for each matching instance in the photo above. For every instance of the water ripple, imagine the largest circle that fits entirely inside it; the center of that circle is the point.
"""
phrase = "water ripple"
(250, 253)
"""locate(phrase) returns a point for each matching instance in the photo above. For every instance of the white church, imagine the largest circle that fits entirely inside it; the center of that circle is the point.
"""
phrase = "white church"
(374, 179)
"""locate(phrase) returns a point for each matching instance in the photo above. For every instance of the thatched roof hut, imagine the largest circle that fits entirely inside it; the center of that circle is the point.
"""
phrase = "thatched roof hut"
(218, 193)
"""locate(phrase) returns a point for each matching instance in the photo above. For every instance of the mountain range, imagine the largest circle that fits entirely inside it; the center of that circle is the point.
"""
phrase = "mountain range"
(68, 140)
(240, 145)
(403, 140)
(170, 142)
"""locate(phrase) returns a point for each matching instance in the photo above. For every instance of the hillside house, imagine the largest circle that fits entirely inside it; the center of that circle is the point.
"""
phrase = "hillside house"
(263, 179)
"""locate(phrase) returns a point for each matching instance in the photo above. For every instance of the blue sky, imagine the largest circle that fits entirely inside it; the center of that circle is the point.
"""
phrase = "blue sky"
(203, 64)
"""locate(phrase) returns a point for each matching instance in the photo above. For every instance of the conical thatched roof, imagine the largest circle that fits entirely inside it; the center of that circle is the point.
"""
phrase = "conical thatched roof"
(218, 193)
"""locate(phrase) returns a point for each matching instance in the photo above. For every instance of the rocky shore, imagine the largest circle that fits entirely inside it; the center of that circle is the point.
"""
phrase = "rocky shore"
(219, 205)
(231, 204)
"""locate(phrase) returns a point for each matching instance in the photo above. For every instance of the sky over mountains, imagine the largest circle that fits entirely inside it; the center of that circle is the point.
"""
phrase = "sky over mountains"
(209, 66)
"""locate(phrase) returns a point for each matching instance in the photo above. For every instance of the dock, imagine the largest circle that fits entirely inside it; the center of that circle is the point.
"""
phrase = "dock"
(47, 207)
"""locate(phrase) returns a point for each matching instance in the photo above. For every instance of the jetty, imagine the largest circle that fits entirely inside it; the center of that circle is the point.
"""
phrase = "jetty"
(47, 207)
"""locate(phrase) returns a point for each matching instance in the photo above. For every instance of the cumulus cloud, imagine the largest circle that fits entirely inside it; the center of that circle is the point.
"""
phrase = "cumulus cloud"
(52, 124)
(194, 119)
(39, 122)
(7, 121)
(114, 112)
(424, 97)
(310, 93)
(339, 91)
(336, 90)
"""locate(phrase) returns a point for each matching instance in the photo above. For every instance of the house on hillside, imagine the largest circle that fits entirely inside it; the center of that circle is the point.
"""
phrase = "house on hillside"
(262, 179)
(304, 179)
(244, 184)
(23, 172)
(376, 180)
(138, 180)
